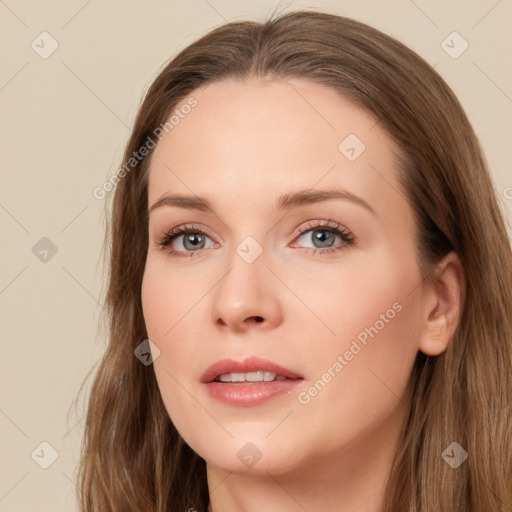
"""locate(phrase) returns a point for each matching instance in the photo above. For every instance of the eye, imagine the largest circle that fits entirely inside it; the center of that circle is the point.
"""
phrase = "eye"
(323, 234)
(189, 240)
(184, 241)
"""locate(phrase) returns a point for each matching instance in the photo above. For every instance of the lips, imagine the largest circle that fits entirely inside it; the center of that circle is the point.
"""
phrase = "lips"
(252, 364)
(249, 393)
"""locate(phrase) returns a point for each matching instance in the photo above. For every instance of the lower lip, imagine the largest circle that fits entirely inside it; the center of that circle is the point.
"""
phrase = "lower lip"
(248, 394)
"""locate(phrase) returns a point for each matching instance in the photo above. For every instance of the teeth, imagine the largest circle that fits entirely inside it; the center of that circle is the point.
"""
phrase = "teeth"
(259, 376)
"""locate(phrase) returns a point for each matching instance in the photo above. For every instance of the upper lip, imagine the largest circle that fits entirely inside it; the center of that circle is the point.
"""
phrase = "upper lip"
(251, 364)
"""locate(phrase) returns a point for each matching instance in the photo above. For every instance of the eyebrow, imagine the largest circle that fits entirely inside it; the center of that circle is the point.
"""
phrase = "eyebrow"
(285, 201)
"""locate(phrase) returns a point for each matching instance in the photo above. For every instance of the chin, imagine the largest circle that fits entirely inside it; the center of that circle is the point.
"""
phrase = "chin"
(249, 455)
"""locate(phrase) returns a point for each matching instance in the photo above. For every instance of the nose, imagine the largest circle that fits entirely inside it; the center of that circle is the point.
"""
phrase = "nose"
(247, 298)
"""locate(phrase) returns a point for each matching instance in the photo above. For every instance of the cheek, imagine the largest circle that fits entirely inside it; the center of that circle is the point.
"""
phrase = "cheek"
(362, 395)
(371, 357)
(374, 324)
(165, 308)
(339, 302)
(166, 301)
(170, 308)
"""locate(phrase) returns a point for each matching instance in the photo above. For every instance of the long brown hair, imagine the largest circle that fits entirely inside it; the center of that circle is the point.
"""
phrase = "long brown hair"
(132, 456)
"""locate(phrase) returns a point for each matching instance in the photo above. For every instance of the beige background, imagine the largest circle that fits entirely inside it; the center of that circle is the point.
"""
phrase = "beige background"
(64, 122)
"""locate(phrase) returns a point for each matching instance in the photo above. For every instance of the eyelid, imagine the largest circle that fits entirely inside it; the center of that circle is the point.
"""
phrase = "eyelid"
(189, 226)
(317, 224)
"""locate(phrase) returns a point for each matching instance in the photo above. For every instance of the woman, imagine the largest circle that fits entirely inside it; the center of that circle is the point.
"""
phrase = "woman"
(310, 287)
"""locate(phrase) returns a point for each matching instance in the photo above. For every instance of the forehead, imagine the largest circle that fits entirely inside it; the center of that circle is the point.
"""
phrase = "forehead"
(272, 136)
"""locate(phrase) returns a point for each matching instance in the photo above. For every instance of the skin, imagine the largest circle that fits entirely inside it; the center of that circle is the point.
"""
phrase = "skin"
(242, 146)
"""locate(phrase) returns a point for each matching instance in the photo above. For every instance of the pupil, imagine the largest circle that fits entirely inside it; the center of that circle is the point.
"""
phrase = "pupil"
(194, 239)
(318, 236)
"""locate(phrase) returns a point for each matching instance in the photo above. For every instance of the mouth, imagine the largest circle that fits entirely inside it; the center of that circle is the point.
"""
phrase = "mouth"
(253, 369)
(257, 376)
(248, 383)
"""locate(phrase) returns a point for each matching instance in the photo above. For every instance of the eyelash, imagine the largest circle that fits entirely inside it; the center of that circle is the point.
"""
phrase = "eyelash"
(329, 225)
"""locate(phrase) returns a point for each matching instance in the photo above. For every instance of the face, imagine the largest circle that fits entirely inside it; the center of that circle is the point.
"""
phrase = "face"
(322, 285)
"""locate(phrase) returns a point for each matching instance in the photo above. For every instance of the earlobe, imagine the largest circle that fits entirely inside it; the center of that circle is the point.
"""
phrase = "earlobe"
(443, 305)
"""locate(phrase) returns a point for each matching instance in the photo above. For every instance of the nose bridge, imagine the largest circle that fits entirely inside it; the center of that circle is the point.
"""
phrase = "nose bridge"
(246, 278)
(247, 292)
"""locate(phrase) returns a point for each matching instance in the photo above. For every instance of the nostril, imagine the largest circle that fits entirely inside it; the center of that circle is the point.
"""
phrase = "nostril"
(258, 319)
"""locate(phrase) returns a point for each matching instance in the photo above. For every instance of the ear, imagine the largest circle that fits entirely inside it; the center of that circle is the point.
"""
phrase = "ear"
(443, 304)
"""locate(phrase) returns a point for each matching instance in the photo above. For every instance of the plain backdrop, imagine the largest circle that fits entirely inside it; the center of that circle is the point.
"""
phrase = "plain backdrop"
(72, 75)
